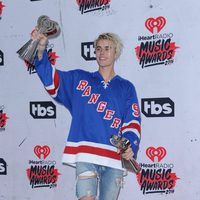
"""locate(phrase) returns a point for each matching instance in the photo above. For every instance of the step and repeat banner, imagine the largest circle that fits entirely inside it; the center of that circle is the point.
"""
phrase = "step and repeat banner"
(160, 57)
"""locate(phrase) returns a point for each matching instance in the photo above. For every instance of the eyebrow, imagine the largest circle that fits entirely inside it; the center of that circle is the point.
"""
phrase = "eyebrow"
(108, 46)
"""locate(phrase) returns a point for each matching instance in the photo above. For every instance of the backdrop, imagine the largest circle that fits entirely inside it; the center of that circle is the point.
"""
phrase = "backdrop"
(160, 57)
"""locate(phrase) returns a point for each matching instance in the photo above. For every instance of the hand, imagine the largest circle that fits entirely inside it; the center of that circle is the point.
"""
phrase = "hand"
(43, 40)
(35, 35)
(128, 154)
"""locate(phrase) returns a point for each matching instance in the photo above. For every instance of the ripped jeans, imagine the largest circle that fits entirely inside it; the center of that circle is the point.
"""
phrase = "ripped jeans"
(96, 180)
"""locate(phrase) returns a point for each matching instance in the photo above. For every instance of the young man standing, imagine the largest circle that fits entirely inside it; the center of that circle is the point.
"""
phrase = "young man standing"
(101, 104)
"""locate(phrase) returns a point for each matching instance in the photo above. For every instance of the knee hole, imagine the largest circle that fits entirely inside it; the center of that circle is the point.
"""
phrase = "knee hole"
(87, 174)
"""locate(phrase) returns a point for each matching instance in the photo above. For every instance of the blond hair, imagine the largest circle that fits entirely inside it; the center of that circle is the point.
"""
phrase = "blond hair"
(111, 37)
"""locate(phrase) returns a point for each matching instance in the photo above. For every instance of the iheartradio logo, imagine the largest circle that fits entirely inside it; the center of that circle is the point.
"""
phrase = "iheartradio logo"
(42, 151)
(155, 25)
(154, 153)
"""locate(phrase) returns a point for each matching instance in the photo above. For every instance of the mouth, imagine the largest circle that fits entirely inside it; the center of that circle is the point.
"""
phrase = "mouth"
(102, 58)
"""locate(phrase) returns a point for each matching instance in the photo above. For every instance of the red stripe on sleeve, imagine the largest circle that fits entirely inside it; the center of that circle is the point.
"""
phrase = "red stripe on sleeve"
(56, 81)
(132, 126)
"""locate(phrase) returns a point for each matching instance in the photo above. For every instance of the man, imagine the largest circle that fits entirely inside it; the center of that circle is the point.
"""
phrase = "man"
(101, 104)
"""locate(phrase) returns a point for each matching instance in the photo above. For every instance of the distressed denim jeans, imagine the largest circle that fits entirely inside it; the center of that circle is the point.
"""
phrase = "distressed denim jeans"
(101, 182)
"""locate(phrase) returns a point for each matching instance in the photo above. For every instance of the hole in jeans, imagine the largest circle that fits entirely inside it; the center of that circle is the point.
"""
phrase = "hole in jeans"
(87, 174)
(120, 182)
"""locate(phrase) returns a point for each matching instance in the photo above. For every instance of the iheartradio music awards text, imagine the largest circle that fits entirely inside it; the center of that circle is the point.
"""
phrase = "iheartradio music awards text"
(158, 48)
(42, 172)
(157, 177)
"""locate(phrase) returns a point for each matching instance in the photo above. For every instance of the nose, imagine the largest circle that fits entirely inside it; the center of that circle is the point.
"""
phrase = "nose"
(102, 51)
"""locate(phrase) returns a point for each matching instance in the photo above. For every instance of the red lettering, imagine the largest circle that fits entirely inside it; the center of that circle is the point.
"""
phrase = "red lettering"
(94, 98)
(101, 106)
(82, 84)
(136, 110)
(116, 123)
(87, 91)
(109, 114)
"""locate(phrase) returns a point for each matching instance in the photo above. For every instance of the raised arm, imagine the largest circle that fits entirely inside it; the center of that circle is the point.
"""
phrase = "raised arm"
(57, 83)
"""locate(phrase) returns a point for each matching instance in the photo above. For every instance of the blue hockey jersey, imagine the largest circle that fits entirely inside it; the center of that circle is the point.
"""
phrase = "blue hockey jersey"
(98, 110)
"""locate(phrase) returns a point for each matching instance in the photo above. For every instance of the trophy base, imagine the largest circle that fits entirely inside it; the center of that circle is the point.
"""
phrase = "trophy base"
(28, 51)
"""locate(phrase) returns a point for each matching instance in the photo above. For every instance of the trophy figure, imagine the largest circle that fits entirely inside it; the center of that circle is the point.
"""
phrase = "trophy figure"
(122, 144)
(45, 26)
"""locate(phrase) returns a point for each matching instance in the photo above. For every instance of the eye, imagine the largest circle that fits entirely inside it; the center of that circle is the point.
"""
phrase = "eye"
(98, 48)
(107, 48)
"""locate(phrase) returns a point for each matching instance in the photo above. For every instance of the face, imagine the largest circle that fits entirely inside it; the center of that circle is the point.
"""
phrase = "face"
(105, 53)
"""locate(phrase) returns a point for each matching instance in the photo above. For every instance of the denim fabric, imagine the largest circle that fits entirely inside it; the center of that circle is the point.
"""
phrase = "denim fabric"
(106, 184)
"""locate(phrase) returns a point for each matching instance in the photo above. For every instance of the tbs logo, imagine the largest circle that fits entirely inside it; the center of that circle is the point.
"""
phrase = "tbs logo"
(88, 51)
(43, 110)
(3, 167)
(158, 107)
(1, 58)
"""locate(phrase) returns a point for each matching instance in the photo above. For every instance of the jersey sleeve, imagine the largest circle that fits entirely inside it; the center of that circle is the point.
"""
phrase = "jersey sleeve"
(57, 83)
(131, 124)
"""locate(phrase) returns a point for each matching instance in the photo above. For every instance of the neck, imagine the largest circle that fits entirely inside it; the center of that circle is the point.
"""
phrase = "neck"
(107, 73)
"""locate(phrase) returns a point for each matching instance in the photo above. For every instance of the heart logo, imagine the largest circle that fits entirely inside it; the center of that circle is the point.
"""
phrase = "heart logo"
(39, 151)
(155, 25)
(159, 152)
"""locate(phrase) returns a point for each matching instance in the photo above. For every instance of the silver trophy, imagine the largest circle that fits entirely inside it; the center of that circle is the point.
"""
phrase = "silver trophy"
(122, 144)
(45, 26)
